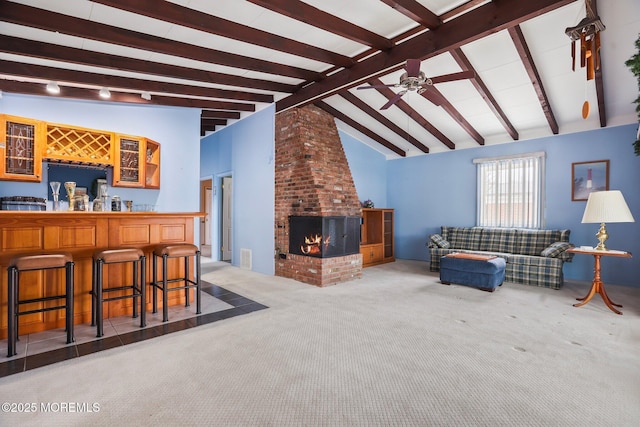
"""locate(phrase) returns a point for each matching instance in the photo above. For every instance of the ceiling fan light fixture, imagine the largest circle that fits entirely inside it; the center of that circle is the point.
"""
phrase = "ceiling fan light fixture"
(53, 88)
(415, 80)
(104, 93)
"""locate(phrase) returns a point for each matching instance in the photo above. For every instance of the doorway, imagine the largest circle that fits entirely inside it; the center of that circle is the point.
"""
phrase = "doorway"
(226, 215)
(206, 202)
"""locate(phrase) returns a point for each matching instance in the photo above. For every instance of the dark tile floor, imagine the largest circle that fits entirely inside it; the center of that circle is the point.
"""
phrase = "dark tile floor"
(46, 348)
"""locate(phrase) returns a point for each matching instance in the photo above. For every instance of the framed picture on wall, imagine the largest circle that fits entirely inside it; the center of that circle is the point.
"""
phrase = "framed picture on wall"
(587, 177)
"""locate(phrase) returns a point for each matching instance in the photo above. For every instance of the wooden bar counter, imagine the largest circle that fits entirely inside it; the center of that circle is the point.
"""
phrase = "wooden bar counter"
(81, 233)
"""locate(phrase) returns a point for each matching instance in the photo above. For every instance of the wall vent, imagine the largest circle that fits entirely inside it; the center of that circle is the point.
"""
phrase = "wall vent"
(245, 259)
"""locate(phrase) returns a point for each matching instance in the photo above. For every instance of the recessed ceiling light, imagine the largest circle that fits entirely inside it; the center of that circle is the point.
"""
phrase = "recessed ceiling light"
(104, 93)
(52, 87)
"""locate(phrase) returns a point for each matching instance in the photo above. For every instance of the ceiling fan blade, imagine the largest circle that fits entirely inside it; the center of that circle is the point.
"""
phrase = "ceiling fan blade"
(434, 96)
(376, 86)
(462, 75)
(413, 67)
(393, 100)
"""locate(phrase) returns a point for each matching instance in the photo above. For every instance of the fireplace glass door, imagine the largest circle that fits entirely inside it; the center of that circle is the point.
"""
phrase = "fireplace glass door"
(324, 236)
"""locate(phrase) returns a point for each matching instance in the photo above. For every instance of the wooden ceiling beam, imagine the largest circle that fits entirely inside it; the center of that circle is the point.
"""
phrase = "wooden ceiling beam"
(484, 91)
(357, 126)
(206, 128)
(530, 66)
(376, 115)
(191, 18)
(71, 76)
(36, 49)
(463, 8)
(19, 14)
(602, 112)
(217, 114)
(471, 26)
(303, 12)
(434, 94)
(213, 122)
(29, 88)
(409, 111)
(415, 11)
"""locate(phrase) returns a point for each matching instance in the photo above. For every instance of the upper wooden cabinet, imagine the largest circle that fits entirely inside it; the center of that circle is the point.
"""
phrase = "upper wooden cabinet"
(25, 143)
(128, 168)
(137, 162)
(72, 144)
(152, 165)
(21, 145)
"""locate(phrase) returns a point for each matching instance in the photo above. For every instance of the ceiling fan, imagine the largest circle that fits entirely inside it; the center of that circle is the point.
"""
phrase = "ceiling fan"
(415, 80)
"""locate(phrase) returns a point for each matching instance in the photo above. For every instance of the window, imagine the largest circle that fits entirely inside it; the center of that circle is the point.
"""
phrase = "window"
(511, 191)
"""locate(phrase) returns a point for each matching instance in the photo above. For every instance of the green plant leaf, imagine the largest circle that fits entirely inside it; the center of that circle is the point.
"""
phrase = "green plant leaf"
(634, 65)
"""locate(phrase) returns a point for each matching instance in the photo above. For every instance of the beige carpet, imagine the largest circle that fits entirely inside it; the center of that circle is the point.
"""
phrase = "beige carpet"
(395, 348)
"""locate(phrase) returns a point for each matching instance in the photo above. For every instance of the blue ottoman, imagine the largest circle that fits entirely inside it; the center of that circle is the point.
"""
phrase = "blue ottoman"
(480, 271)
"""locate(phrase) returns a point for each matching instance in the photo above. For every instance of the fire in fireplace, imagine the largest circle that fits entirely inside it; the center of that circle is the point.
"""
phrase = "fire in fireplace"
(324, 236)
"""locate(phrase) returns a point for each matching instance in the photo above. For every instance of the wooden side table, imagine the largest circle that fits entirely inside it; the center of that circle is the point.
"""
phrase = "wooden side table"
(597, 286)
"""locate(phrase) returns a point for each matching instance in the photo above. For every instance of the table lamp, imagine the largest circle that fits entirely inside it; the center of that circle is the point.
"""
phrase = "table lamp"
(606, 206)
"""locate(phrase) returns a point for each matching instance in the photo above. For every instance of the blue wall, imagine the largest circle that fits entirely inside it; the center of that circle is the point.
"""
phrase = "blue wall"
(368, 169)
(440, 189)
(245, 151)
(176, 129)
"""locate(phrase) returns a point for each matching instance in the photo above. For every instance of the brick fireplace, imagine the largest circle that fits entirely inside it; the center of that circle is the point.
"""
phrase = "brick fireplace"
(313, 179)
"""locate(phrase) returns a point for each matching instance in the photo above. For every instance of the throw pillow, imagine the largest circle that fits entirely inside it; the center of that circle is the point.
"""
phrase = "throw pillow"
(555, 249)
(439, 241)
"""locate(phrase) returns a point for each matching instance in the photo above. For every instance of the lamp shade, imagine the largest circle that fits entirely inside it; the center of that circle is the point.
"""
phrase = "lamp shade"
(606, 206)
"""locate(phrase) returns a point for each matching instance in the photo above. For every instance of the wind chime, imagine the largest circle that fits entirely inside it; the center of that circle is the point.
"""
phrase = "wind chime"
(588, 33)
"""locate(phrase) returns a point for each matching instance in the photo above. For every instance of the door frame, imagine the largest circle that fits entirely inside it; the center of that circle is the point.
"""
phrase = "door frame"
(205, 222)
(223, 198)
(216, 216)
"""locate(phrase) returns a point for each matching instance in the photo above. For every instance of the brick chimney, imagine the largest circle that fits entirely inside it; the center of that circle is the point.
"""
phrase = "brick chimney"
(312, 178)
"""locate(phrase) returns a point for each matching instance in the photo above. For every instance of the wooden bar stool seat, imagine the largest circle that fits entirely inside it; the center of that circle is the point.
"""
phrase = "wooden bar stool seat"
(175, 250)
(34, 262)
(136, 288)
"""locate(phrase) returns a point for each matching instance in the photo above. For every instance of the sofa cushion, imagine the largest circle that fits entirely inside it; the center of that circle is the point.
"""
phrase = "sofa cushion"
(463, 237)
(439, 241)
(498, 240)
(556, 249)
(534, 261)
(547, 276)
(533, 242)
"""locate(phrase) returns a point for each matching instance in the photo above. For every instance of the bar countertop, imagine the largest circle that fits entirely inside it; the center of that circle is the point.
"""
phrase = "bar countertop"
(84, 214)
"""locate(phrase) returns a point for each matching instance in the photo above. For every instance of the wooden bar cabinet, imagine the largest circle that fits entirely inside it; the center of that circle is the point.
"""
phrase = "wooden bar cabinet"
(81, 233)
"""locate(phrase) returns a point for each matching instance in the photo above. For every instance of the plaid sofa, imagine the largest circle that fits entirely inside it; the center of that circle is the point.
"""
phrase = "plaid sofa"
(534, 257)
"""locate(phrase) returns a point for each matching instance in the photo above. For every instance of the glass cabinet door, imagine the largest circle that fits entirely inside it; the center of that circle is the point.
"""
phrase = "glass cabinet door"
(21, 142)
(127, 171)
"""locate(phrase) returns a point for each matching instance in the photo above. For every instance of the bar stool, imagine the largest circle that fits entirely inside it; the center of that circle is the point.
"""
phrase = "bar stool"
(175, 250)
(137, 287)
(24, 263)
